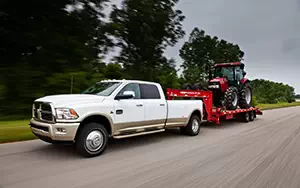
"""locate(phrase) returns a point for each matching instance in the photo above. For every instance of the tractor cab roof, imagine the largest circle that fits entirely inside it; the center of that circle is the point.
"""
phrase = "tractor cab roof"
(233, 64)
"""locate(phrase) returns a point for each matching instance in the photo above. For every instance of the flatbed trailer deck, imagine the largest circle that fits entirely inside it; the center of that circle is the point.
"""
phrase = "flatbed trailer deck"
(210, 113)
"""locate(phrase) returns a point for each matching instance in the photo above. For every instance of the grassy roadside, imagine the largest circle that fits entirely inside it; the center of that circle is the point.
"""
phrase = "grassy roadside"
(278, 105)
(18, 130)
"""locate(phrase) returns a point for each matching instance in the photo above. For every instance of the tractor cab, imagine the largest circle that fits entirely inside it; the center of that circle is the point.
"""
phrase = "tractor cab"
(232, 73)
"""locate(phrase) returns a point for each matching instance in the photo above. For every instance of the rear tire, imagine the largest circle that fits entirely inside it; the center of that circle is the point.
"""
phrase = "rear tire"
(193, 127)
(251, 116)
(246, 117)
(245, 96)
(187, 86)
(92, 140)
(231, 98)
(199, 86)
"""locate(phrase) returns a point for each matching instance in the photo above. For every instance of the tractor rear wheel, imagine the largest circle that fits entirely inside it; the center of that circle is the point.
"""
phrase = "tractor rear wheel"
(231, 98)
(187, 86)
(245, 96)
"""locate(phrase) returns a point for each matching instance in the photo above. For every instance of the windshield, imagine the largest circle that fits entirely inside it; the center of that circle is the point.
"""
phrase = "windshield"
(224, 71)
(102, 88)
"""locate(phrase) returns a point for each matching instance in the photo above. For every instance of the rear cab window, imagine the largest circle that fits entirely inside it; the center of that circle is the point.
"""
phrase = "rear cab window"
(149, 91)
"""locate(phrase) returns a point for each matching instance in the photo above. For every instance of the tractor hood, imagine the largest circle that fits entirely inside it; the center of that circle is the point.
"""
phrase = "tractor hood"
(218, 83)
(219, 80)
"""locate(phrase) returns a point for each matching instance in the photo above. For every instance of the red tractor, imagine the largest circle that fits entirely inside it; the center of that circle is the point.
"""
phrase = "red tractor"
(229, 86)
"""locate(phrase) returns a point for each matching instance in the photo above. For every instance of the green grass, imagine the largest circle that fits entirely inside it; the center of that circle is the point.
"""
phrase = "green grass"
(18, 130)
(278, 105)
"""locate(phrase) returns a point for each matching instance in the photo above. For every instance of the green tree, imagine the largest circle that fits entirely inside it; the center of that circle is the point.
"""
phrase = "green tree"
(114, 71)
(143, 29)
(202, 50)
(267, 91)
(40, 41)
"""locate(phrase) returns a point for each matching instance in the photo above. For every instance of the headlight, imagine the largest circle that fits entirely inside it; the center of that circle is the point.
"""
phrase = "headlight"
(65, 113)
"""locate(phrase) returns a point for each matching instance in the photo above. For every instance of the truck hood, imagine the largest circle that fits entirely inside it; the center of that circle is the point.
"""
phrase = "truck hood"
(67, 100)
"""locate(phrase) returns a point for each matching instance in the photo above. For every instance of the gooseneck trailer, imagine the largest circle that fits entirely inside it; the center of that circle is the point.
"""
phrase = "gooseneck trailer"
(211, 113)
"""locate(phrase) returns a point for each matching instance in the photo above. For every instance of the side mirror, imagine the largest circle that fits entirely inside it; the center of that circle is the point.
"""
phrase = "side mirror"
(244, 73)
(126, 95)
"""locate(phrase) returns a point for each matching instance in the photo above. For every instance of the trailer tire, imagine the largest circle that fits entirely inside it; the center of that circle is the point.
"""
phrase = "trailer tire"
(193, 126)
(246, 117)
(251, 116)
(98, 136)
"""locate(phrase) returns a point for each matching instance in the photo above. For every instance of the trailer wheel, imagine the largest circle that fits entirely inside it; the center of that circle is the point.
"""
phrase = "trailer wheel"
(251, 116)
(246, 117)
(193, 127)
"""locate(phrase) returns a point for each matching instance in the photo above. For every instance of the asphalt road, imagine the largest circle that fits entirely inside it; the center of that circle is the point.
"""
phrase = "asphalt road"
(263, 153)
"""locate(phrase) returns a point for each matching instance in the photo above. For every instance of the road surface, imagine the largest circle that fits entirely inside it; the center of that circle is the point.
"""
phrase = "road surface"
(263, 153)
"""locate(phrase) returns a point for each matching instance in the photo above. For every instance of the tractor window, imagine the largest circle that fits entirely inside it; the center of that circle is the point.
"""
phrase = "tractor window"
(224, 71)
(238, 73)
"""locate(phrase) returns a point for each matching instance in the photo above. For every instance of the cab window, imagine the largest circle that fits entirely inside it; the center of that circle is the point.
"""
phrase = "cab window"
(131, 87)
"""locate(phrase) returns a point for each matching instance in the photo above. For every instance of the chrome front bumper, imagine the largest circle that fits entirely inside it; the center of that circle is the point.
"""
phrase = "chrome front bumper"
(56, 131)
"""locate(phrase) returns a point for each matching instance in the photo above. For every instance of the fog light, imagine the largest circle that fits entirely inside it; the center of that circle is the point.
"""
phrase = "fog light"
(62, 130)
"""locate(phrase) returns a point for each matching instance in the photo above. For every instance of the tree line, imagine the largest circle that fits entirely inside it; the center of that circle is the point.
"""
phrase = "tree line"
(47, 46)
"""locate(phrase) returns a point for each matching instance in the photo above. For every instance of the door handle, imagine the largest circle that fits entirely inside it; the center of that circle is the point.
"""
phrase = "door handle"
(139, 105)
(119, 111)
(162, 105)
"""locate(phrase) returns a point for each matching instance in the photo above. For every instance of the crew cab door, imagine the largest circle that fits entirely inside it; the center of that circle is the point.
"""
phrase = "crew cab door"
(129, 114)
(155, 105)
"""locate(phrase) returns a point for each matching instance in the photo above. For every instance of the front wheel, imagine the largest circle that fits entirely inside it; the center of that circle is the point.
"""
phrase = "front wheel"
(193, 127)
(92, 140)
(231, 98)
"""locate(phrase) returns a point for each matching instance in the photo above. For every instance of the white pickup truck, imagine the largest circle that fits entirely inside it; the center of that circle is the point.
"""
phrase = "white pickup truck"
(112, 108)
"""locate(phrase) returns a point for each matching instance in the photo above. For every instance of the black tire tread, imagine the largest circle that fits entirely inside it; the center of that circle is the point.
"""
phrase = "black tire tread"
(188, 129)
(187, 86)
(80, 141)
(242, 97)
(229, 98)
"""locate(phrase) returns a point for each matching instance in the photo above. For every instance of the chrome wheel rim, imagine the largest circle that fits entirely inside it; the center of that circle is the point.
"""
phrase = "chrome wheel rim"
(195, 125)
(94, 141)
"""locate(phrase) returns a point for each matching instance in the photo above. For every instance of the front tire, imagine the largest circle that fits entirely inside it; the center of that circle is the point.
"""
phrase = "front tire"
(231, 98)
(193, 127)
(92, 140)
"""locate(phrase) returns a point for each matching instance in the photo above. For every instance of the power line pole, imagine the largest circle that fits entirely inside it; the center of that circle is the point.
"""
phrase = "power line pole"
(71, 84)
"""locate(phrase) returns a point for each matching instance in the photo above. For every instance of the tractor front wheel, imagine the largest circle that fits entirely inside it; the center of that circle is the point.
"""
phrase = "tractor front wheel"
(231, 98)
(245, 98)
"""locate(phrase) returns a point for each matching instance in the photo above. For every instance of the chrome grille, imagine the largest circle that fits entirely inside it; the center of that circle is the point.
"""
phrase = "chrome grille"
(43, 112)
